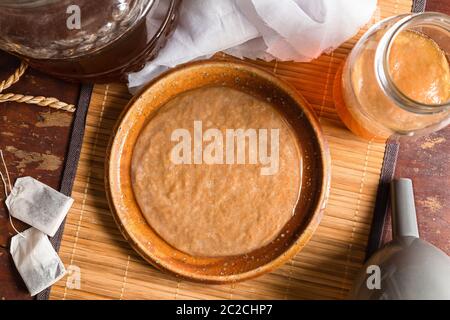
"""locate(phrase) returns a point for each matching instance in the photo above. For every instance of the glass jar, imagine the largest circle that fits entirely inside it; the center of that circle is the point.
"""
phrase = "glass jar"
(92, 41)
(396, 80)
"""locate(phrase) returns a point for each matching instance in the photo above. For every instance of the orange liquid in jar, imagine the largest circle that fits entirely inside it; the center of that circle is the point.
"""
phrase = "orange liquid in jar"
(418, 68)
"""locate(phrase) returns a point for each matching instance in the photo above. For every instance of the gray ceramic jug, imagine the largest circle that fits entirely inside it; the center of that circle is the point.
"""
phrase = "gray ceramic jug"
(407, 267)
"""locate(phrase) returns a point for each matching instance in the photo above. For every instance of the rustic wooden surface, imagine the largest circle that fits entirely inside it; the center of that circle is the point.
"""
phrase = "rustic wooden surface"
(34, 140)
(427, 162)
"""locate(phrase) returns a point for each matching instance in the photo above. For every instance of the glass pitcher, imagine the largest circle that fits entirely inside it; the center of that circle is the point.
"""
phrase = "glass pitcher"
(91, 41)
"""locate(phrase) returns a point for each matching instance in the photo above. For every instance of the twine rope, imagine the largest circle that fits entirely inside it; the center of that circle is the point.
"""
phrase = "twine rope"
(38, 100)
(6, 184)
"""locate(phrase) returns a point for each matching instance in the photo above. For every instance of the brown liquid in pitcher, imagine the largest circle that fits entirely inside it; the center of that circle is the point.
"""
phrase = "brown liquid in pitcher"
(129, 53)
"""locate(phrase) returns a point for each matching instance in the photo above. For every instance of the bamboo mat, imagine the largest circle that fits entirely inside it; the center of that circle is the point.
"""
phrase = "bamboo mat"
(108, 268)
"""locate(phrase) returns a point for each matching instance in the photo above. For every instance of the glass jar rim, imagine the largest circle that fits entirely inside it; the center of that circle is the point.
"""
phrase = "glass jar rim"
(382, 68)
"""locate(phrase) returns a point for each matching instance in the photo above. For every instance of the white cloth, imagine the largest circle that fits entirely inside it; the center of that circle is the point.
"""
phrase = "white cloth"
(298, 30)
(37, 262)
(38, 205)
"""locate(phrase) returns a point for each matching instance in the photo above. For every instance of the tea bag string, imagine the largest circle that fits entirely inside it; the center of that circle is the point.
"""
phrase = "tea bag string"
(6, 185)
(39, 100)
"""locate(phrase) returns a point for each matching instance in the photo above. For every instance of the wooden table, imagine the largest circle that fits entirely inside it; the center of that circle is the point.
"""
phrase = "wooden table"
(35, 142)
(427, 162)
(39, 139)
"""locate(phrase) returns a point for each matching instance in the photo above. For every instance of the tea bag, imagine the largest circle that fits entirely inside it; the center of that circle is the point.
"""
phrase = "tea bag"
(37, 262)
(38, 205)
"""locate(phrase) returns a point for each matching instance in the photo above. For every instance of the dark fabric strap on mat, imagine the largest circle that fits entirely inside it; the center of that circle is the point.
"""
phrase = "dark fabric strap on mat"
(419, 6)
(382, 201)
(70, 168)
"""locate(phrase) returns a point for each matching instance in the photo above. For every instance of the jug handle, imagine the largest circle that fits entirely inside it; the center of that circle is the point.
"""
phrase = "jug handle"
(404, 219)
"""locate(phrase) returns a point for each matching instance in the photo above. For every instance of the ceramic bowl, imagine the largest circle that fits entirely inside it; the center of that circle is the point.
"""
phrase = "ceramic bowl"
(315, 167)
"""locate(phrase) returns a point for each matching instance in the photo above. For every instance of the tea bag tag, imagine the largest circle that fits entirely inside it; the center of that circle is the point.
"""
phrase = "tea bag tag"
(37, 262)
(38, 205)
